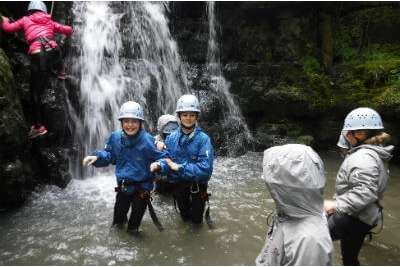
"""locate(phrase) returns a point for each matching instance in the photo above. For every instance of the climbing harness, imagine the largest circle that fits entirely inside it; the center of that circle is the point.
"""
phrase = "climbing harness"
(207, 215)
(44, 40)
(194, 189)
(145, 195)
(370, 233)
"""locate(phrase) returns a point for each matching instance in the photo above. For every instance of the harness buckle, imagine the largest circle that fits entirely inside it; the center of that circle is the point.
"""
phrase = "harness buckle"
(194, 190)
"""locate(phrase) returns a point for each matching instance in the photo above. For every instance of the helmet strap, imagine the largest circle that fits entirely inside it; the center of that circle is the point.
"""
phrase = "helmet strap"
(189, 129)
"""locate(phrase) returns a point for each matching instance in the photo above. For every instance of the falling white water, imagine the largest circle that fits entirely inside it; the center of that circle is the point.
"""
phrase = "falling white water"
(124, 51)
(231, 111)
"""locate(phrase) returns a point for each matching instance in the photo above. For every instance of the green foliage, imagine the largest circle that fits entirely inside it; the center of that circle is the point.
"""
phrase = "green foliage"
(346, 41)
(311, 65)
(390, 98)
(5, 74)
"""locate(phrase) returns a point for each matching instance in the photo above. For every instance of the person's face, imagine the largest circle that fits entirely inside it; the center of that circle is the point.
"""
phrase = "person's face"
(355, 136)
(130, 126)
(188, 118)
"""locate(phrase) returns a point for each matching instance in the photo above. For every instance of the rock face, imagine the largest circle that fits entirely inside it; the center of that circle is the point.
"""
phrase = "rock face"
(295, 69)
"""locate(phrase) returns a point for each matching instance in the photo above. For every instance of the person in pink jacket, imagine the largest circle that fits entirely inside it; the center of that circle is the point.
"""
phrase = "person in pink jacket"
(44, 53)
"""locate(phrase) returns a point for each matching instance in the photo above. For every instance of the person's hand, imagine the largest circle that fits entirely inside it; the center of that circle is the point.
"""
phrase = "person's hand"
(155, 166)
(160, 145)
(89, 160)
(172, 165)
(5, 18)
(329, 206)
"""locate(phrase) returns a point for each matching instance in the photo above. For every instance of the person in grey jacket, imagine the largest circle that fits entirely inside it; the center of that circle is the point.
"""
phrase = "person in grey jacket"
(356, 207)
(299, 233)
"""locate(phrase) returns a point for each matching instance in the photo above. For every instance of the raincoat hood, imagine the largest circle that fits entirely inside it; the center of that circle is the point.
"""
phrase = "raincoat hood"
(384, 152)
(295, 177)
(164, 120)
(40, 17)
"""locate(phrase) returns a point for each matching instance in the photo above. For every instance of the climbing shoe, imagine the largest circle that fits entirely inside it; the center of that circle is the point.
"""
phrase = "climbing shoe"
(35, 132)
(61, 75)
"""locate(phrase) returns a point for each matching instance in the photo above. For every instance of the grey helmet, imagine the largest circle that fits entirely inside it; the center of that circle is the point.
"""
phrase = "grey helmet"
(167, 123)
(37, 5)
(363, 119)
(131, 110)
(188, 103)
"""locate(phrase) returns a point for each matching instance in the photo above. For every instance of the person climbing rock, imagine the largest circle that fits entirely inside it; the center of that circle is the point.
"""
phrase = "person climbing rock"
(45, 55)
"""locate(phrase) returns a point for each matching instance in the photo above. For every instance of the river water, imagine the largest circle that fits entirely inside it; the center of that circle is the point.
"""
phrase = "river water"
(72, 226)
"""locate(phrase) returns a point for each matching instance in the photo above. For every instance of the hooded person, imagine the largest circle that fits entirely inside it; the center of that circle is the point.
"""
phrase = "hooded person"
(362, 178)
(299, 234)
(166, 124)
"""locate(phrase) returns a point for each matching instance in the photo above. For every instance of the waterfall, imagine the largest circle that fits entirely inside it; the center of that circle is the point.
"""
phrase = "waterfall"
(124, 52)
(238, 136)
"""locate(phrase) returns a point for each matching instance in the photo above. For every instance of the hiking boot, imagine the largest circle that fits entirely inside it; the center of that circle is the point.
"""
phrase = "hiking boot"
(61, 75)
(35, 132)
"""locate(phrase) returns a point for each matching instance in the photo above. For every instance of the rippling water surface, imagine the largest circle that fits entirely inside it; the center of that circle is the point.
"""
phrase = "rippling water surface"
(72, 226)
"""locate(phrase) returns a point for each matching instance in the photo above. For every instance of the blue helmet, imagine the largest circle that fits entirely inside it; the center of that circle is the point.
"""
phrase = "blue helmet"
(37, 5)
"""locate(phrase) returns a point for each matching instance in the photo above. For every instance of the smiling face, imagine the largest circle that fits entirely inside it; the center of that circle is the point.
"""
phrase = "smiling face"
(130, 126)
(188, 119)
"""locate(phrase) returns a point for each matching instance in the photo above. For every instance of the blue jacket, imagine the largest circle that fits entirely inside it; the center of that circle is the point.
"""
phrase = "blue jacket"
(193, 153)
(132, 157)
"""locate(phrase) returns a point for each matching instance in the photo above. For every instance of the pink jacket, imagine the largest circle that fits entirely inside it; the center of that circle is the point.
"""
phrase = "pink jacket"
(36, 25)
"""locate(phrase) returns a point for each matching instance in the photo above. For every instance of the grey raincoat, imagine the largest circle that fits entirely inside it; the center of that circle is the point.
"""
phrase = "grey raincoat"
(361, 181)
(299, 234)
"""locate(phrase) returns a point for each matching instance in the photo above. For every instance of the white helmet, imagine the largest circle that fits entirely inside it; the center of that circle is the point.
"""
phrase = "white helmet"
(343, 142)
(188, 103)
(37, 5)
(167, 123)
(363, 119)
(131, 110)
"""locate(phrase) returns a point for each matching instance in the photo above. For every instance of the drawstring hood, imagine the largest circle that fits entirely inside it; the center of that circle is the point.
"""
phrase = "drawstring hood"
(297, 172)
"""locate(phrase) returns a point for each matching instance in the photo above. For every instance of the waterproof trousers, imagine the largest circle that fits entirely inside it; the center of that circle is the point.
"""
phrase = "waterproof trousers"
(351, 233)
(125, 202)
(191, 201)
(39, 78)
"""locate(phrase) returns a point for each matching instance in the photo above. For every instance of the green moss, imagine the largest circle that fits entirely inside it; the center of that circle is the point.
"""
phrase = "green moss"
(6, 76)
(311, 65)
(389, 99)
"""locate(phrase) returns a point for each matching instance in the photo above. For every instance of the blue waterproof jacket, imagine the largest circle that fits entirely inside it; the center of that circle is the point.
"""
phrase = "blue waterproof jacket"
(193, 153)
(132, 157)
